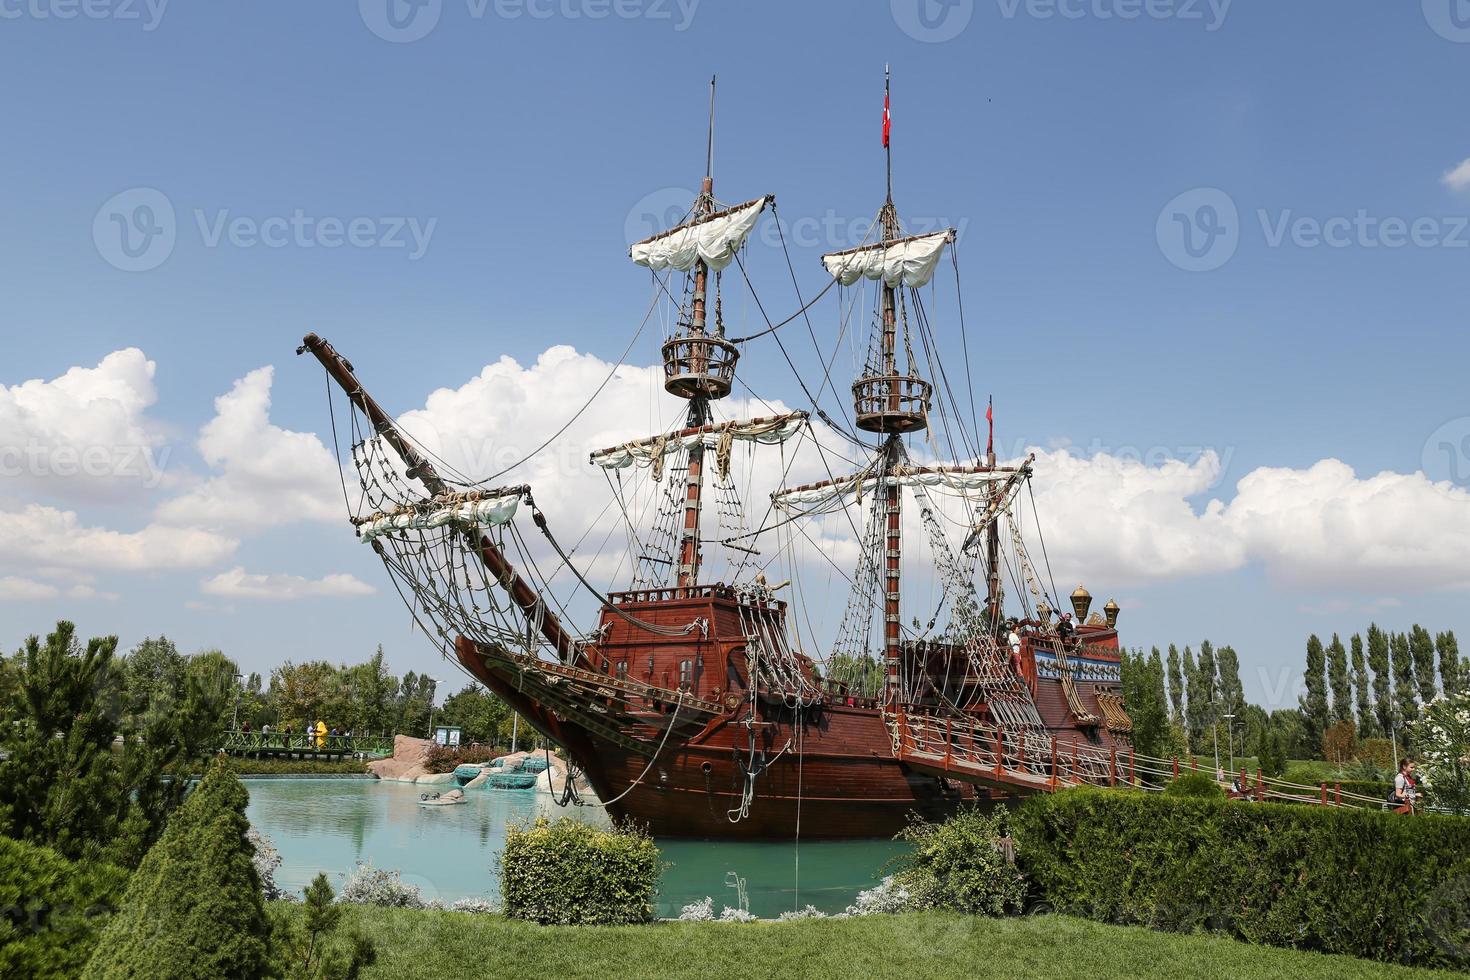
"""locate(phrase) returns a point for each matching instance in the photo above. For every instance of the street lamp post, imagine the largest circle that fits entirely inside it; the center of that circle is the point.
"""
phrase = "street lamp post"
(432, 707)
(235, 718)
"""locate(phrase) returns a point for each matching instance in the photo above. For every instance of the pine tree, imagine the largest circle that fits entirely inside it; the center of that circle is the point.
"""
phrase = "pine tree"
(1421, 644)
(1338, 681)
(1451, 668)
(193, 908)
(1176, 685)
(1367, 724)
(1314, 703)
(1404, 688)
(1378, 661)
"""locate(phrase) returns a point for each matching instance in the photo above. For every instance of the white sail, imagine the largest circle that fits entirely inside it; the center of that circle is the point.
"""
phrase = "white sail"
(488, 512)
(643, 452)
(715, 238)
(905, 262)
(959, 482)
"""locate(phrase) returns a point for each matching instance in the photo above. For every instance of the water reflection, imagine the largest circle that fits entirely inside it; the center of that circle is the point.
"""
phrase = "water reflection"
(451, 852)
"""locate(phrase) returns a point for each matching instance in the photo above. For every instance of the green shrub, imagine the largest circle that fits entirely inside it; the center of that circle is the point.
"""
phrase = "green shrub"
(1309, 773)
(193, 908)
(52, 910)
(1368, 883)
(568, 872)
(1194, 784)
(442, 758)
(961, 865)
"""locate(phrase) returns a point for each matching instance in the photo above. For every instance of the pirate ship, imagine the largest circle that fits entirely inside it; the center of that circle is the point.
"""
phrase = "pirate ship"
(703, 703)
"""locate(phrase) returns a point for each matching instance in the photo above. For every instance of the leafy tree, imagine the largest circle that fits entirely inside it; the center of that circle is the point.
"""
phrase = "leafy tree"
(477, 711)
(1271, 756)
(193, 908)
(1367, 724)
(1378, 661)
(1340, 742)
(1176, 685)
(1339, 681)
(1452, 670)
(1232, 692)
(302, 692)
(1403, 679)
(1143, 693)
(373, 691)
(415, 703)
(154, 673)
(1421, 645)
(1315, 715)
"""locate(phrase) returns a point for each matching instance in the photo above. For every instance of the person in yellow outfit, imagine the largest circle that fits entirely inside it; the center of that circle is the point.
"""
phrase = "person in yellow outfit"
(321, 734)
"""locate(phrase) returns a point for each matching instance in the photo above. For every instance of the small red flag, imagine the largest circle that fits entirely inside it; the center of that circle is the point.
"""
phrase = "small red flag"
(990, 417)
(887, 120)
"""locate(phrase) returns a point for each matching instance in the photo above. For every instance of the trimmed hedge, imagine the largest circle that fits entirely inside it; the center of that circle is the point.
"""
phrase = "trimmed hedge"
(52, 910)
(570, 873)
(1372, 884)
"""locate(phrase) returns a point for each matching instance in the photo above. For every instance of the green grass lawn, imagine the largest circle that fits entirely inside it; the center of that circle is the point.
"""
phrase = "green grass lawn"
(413, 945)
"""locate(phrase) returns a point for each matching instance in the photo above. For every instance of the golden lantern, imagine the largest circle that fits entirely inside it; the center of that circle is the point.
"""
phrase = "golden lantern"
(1111, 612)
(1081, 602)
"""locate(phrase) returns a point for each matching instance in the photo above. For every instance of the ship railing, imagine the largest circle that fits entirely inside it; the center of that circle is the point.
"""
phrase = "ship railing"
(611, 688)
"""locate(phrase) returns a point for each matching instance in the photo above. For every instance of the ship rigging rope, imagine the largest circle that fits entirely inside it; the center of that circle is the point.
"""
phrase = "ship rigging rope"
(673, 719)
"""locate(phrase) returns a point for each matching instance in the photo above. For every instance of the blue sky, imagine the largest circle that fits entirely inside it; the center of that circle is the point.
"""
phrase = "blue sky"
(524, 141)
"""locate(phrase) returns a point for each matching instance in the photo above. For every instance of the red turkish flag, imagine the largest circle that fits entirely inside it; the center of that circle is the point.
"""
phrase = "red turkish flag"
(887, 120)
(990, 417)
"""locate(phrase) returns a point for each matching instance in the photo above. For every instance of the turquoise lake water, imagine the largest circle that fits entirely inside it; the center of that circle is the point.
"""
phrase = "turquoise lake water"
(451, 852)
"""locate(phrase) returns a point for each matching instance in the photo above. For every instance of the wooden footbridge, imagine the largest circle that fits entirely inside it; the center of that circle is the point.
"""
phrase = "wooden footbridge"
(304, 745)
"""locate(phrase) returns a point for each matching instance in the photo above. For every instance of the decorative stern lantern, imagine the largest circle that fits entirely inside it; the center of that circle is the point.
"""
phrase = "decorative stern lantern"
(1081, 602)
(1111, 612)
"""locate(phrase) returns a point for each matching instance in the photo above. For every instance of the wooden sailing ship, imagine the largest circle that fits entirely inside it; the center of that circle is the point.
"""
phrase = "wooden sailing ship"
(694, 708)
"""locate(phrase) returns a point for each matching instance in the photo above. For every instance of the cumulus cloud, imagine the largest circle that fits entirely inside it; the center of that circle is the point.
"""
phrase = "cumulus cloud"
(16, 589)
(264, 475)
(45, 536)
(240, 584)
(85, 433)
(1458, 179)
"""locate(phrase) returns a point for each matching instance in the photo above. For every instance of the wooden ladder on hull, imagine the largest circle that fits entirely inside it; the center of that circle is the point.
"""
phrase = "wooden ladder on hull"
(973, 752)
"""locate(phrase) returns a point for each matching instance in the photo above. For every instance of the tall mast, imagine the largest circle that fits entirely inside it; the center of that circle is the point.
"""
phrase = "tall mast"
(699, 412)
(992, 531)
(892, 447)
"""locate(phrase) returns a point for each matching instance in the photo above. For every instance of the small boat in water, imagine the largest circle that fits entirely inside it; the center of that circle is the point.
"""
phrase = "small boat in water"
(450, 798)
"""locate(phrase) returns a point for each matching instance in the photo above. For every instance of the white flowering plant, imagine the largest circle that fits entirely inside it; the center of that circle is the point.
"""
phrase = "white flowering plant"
(1441, 739)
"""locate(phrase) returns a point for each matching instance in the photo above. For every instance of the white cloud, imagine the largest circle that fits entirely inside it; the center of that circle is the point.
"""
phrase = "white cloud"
(46, 537)
(15, 589)
(240, 584)
(265, 475)
(1458, 179)
(85, 433)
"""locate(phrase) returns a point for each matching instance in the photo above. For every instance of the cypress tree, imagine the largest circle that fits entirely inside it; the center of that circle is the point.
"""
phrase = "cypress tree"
(1421, 644)
(1404, 688)
(193, 908)
(1451, 668)
(1338, 681)
(1176, 685)
(1232, 692)
(1194, 703)
(1314, 702)
(1378, 661)
(1367, 725)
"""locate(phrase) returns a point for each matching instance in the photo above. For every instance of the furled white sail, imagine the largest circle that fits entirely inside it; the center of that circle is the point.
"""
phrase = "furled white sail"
(715, 238)
(643, 452)
(960, 482)
(489, 512)
(906, 262)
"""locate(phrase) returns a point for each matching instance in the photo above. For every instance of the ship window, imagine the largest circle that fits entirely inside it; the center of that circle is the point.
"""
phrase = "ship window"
(686, 674)
(622, 670)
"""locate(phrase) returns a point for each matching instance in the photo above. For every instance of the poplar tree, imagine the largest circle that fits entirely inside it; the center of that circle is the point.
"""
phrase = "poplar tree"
(1337, 679)
(1176, 685)
(1367, 724)
(1378, 662)
(1404, 689)
(1452, 669)
(1314, 702)
(1421, 644)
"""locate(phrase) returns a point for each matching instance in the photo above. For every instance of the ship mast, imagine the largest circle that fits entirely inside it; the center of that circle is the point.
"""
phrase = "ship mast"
(699, 396)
